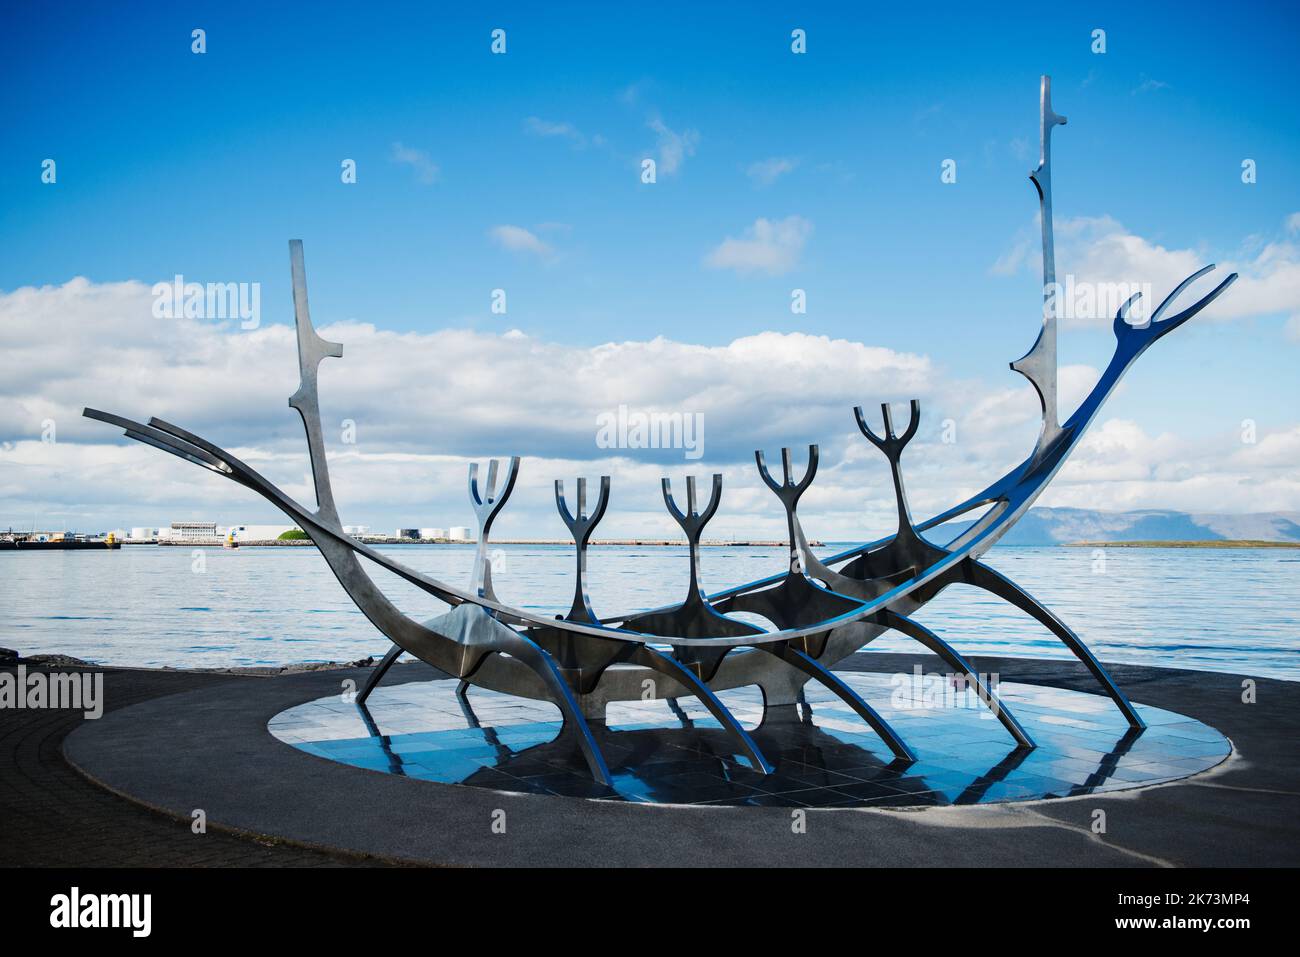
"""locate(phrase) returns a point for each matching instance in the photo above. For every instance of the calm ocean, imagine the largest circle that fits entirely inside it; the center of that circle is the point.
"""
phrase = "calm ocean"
(1235, 610)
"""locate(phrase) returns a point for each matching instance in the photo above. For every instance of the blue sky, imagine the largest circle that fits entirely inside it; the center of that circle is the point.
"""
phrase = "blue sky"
(204, 165)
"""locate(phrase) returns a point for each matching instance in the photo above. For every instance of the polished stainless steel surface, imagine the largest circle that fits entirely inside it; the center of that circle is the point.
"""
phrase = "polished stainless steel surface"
(665, 754)
(820, 610)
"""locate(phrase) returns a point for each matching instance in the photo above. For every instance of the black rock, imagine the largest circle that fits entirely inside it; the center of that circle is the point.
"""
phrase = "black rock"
(60, 661)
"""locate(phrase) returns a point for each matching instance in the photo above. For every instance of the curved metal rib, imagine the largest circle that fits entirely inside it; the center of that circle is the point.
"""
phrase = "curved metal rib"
(917, 631)
(543, 665)
(982, 576)
(473, 627)
(810, 667)
(674, 669)
(582, 658)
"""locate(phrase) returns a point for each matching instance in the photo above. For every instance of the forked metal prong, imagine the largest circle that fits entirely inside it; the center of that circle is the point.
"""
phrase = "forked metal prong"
(892, 444)
(764, 473)
(486, 507)
(581, 527)
(581, 524)
(1168, 300)
(1156, 326)
(788, 488)
(874, 439)
(489, 502)
(671, 502)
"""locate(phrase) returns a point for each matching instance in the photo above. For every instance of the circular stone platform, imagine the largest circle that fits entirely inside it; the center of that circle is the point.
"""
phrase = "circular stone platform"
(673, 752)
(211, 749)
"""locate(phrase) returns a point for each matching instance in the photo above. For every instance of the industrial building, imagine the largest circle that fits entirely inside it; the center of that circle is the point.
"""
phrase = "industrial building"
(198, 533)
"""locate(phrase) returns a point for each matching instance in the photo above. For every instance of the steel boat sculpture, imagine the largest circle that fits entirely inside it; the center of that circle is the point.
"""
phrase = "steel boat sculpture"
(819, 610)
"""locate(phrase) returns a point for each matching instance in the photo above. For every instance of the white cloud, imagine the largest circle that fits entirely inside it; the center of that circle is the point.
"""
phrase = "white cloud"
(1148, 84)
(1119, 466)
(425, 404)
(563, 130)
(1019, 256)
(769, 246)
(766, 172)
(426, 170)
(632, 93)
(518, 239)
(1099, 250)
(673, 146)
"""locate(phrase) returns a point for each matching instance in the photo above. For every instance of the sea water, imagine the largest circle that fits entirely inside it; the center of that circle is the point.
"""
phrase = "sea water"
(1234, 610)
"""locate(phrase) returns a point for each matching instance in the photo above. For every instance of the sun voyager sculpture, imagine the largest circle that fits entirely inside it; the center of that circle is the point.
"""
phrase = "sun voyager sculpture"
(819, 610)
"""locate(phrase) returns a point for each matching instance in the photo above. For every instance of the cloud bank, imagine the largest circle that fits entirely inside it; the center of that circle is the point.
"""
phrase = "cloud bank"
(422, 405)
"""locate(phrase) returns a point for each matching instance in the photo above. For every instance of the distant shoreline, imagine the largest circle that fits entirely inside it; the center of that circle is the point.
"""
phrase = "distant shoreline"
(715, 543)
(368, 540)
(1213, 543)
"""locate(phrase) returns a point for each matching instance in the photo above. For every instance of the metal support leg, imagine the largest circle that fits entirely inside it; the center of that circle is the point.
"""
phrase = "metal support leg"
(531, 654)
(672, 668)
(681, 715)
(377, 673)
(982, 576)
(938, 646)
(810, 667)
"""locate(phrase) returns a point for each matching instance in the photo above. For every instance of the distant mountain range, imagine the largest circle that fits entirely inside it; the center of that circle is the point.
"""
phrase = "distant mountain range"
(1060, 526)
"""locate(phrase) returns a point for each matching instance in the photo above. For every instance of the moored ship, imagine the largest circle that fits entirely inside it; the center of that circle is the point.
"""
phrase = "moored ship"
(56, 541)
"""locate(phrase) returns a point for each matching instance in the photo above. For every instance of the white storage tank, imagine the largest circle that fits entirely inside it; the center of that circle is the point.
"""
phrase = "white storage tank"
(459, 533)
(427, 533)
